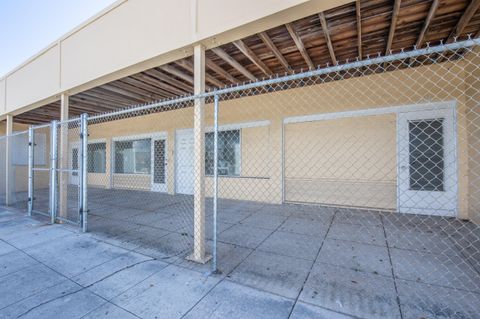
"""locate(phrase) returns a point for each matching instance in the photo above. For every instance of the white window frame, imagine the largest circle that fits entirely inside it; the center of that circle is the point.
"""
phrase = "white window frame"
(134, 137)
(96, 141)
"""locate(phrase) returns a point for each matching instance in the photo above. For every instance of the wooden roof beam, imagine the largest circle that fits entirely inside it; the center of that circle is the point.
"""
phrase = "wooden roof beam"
(358, 9)
(220, 71)
(269, 43)
(157, 75)
(393, 24)
(182, 75)
(227, 58)
(426, 24)
(464, 20)
(136, 98)
(326, 33)
(165, 88)
(300, 46)
(187, 65)
(252, 57)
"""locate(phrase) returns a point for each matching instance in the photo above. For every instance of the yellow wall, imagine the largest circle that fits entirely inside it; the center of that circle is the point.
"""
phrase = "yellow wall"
(472, 85)
(360, 153)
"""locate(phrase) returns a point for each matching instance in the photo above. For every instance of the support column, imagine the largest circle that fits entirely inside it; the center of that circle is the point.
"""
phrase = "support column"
(63, 157)
(199, 157)
(8, 162)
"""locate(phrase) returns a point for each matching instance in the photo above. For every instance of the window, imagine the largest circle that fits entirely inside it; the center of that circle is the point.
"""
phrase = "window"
(96, 157)
(133, 157)
(228, 153)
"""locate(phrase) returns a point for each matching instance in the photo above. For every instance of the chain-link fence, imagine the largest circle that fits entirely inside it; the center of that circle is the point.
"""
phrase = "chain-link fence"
(354, 187)
(41, 152)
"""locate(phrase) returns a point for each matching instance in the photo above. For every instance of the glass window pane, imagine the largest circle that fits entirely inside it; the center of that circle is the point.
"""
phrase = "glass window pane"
(426, 155)
(96, 157)
(132, 157)
(228, 153)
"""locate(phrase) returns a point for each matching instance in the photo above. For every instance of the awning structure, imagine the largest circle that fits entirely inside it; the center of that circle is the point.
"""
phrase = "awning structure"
(356, 30)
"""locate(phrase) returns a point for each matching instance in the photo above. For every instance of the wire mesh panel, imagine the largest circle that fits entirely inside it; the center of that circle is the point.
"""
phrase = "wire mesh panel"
(361, 179)
(3, 171)
(41, 170)
(140, 179)
(67, 199)
(17, 170)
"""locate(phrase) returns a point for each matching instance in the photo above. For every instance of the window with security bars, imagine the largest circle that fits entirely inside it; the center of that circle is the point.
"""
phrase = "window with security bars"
(133, 156)
(96, 157)
(228, 153)
(426, 155)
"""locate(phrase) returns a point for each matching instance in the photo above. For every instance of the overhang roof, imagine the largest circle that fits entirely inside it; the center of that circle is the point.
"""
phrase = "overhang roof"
(359, 29)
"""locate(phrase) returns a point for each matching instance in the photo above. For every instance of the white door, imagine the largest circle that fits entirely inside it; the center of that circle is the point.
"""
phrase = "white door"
(184, 178)
(427, 162)
(159, 165)
(73, 164)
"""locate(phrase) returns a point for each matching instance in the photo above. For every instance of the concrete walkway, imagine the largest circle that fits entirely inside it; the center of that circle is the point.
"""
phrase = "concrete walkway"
(53, 271)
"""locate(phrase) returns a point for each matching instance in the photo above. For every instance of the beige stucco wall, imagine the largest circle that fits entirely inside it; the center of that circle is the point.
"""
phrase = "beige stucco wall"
(134, 35)
(360, 153)
(35, 80)
(472, 85)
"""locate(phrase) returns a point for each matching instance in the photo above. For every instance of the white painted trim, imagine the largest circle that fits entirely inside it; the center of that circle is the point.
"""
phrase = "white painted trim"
(98, 140)
(370, 112)
(162, 134)
(238, 126)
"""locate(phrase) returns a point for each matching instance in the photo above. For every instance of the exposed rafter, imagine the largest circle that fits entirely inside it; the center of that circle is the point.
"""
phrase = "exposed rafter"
(393, 24)
(358, 10)
(269, 43)
(464, 20)
(252, 56)
(426, 24)
(187, 65)
(220, 71)
(154, 73)
(227, 58)
(300, 46)
(179, 74)
(326, 33)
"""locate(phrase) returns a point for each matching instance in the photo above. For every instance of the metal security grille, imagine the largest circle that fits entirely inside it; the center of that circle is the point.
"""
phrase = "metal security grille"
(354, 187)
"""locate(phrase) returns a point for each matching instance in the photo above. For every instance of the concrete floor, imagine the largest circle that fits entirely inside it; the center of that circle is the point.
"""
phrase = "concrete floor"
(277, 261)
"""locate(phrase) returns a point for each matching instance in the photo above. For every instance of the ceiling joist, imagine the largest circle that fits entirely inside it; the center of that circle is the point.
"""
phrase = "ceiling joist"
(300, 46)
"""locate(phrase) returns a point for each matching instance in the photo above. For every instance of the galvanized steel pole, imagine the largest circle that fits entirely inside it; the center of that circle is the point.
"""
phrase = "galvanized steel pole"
(53, 171)
(84, 171)
(30, 169)
(215, 183)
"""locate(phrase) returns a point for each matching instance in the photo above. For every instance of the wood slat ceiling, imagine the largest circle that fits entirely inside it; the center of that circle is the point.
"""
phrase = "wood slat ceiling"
(358, 29)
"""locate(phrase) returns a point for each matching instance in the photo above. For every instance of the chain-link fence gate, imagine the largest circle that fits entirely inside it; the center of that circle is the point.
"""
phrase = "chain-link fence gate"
(39, 156)
(360, 181)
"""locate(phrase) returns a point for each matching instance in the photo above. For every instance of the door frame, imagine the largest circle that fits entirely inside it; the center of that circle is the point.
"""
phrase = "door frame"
(162, 188)
(441, 110)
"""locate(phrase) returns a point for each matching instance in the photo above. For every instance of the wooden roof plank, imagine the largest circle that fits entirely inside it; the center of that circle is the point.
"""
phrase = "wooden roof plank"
(426, 24)
(326, 32)
(393, 25)
(358, 11)
(227, 58)
(300, 46)
(269, 43)
(464, 20)
(220, 71)
(252, 57)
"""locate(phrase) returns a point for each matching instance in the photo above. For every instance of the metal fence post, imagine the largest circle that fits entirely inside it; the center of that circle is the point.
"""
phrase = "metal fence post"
(53, 171)
(31, 145)
(215, 183)
(83, 171)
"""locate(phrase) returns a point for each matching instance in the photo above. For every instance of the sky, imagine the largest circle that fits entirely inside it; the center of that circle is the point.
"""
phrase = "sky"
(28, 26)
